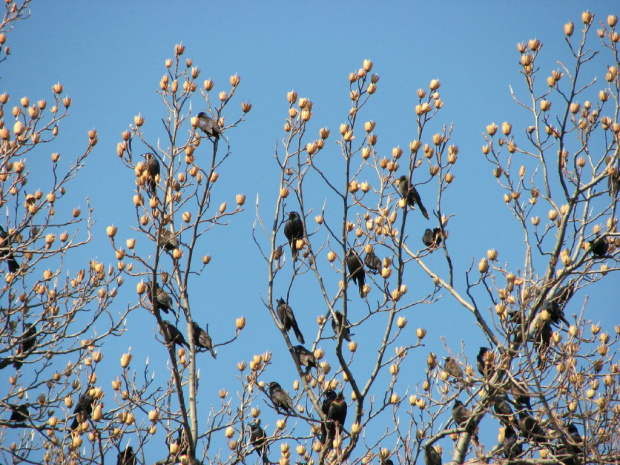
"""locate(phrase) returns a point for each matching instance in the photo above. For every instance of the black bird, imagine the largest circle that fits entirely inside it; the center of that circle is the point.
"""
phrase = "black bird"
(258, 439)
(330, 395)
(461, 416)
(280, 398)
(294, 230)
(27, 342)
(410, 193)
(152, 170)
(287, 318)
(542, 341)
(163, 299)
(172, 335)
(599, 246)
(337, 325)
(168, 240)
(453, 368)
(431, 456)
(19, 413)
(372, 262)
(432, 238)
(304, 357)
(208, 125)
(530, 428)
(83, 409)
(484, 366)
(202, 338)
(336, 416)
(356, 270)
(6, 254)
(387, 462)
(510, 444)
(503, 410)
(570, 451)
(126, 457)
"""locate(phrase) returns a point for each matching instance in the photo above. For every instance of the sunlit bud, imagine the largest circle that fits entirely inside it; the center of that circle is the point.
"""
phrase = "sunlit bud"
(483, 265)
(569, 28)
(281, 423)
(506, 128)
(449, 177)
(421, 403)
(5, 134)
(68, 401)
(545, 105)
(573, 330)
(240, 323)
(18, 128)
(57, 88)
(420, 333)
(401, 322)
(116, 384)
(111, 231)
(223, 207)
(534, 44)
(553, 214)
(125, 359)
(586, 17)
(222, 96)
(604, 96)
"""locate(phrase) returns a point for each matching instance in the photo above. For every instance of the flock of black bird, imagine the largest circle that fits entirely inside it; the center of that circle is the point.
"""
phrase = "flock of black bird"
(334, 406)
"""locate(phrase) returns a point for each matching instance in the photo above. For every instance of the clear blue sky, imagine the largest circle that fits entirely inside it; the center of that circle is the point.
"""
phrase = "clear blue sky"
(110, 58)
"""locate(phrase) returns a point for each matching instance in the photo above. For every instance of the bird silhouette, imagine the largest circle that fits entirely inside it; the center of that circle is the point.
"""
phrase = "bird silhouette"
(83, 409)
(208, 125)
(431, 456)
(304, 357)
(5, 252)
(372, 262)
(294, 231)
(510, 445)
(202, 339)
(356, 270)
(280, 398)
(27, 343)
(162, 298)
(126, 457)
(258, 439)
(410, 194)
(484, 366)
(432, 238)
(152, 172)
(337, 325)
(168, 240)
(172, 335)
(287, 318)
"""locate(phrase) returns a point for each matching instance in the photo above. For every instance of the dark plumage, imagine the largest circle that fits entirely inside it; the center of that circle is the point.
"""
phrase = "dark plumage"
(614, 183)
(5, 253)
(162, 298)
(356, 270)
(337, 325)
(172, 335)
(431, 456)
(280, 398)
(461, 417)
(530, 428)
(287, 318)
(202, 339)
(19, 413)
(336, 416)
(387, 462)
(453, 368)
(83, 409)
(126, 457)
(599, 246)
(432, 238)
(484, 366)
(503, 410)
(168, 240)
(27, 342)
(208, 125)
(542, 341)
(410, 193)
(258, 439)
(304, 357)
(152, 172)
(293, 231)
(509, 445)
(330, 396)
(372, 262)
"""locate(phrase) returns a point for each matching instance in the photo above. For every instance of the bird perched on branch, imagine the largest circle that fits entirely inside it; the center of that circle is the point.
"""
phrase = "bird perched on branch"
(452, 368)
(335, 417)
(510, 444)
(432, 238)
(258, 439)
(372, 262)
(410, 194)
(162, 298)
(208, 125)
(27, 342)
(614, 182)
(461, 417)
(304, 357)
(202, 339)
(126, 457)
(503, 410)
(570, 450)
(431, 456)
(172, 335)
(287, 318)
(19, 413)
(5, 251)
(168, 240)
(599, 246)
(337, 325)
(83, 409)
(280, 398)
(356, 270)
(330, 395)
(484, 365)
(152, 173)
(294, 231)
(530, 428)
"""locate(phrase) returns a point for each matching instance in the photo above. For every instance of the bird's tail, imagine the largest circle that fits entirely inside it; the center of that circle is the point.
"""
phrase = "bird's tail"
(213, 354)
(298, 335)
(13, 265)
